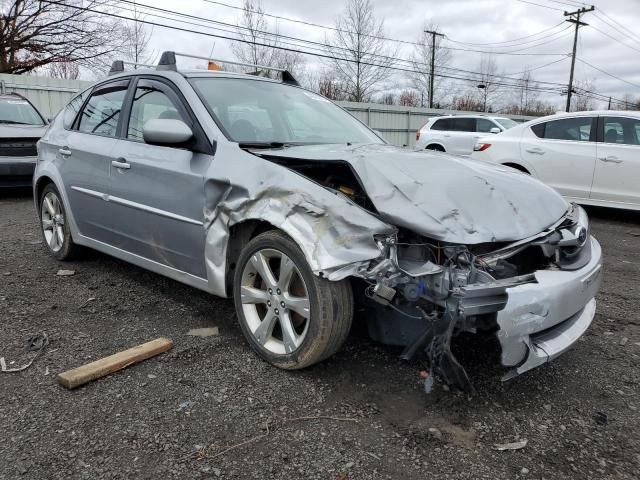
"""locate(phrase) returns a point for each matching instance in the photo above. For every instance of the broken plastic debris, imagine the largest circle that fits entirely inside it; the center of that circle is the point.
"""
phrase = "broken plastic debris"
(510, 446)
(428, 381)
(203, 332)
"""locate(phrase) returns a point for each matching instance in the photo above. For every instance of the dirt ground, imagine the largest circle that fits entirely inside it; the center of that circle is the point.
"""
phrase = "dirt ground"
(209, 408)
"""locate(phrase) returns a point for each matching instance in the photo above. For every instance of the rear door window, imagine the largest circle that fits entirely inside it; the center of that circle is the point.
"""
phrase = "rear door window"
(101, 114)
(464, 124)
(71, 110)
(621, 130)
(577, 129)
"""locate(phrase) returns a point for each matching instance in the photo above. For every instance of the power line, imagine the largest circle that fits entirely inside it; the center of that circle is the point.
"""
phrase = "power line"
(609, 74)
(514, 39)
(616, 39)
(318, 46)
(627, 31)
(514, 52)
(319, 55)
(540, 5)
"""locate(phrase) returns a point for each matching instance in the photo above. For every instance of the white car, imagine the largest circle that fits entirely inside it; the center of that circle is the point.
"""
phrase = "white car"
(591, 158)
(458, 134)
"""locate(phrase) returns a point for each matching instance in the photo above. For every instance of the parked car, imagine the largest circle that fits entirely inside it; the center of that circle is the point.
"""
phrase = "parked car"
(21, 126)
(458, 134)
(592, 158)
(259, 190)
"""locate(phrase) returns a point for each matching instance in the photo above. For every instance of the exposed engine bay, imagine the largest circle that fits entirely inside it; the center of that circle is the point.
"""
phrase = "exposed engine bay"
(428, 290)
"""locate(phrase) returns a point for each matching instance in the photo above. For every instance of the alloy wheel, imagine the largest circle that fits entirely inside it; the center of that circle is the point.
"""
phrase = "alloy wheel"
(52, 218)
(275, 301)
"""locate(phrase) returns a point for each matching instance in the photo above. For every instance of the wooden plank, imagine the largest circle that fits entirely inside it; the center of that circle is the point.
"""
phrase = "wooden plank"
(94, 370)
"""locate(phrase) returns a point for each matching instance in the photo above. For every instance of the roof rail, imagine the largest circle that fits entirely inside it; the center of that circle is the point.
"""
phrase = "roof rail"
(168, 62)
(118, 66)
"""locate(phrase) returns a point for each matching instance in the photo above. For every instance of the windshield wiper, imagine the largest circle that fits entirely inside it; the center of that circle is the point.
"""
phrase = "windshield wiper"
(15, 123)
(264, 144)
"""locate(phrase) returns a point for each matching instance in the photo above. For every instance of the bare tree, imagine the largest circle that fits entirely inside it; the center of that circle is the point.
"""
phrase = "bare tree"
(526, 93)
(629, 102)
(361, 57)
(409, 98)
(388, 99)
(582, 100)
(421, 61)
(137, 48)
(330, 88)
(37, 33)
(488, 81)
(468, 102)
(260, 44)
(64, 69)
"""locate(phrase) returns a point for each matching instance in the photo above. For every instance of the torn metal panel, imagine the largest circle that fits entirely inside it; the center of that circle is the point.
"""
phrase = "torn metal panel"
(448, 198)
(335, 235)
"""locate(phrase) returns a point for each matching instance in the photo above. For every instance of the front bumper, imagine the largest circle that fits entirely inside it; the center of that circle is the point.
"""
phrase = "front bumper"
(16, 171)
(544, 319)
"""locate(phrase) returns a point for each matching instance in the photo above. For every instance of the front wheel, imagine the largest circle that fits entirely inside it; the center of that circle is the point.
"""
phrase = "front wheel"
(290, 317)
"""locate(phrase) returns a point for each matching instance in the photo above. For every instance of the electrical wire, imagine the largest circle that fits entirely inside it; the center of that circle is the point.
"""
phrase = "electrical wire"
(607, 73)
(628, 32)
(319, 55)
(540, 5)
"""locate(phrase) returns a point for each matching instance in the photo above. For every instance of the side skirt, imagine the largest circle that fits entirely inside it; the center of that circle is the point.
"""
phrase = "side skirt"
(159, 268)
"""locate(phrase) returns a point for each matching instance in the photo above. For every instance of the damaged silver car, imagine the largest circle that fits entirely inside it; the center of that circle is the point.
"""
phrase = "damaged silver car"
(258, 189)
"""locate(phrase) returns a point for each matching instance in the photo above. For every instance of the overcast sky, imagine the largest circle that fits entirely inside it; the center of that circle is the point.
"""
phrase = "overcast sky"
(471, 21)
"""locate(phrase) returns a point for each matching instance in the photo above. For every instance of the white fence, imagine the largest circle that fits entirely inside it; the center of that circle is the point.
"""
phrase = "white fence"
(397, 124)
(49, 95)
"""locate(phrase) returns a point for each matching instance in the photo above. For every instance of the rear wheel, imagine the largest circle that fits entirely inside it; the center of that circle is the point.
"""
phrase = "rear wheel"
(290, 317)
(435, 147)
(54, 225)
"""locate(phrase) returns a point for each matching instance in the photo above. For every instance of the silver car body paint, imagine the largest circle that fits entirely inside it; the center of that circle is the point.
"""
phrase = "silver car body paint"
(444, 197)
(175, 215)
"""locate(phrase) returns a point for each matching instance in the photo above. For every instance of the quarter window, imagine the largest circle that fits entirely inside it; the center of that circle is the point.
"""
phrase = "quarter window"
(150, 103)
(575, 129)
(443, 124)
(621, 130)
(102, 111)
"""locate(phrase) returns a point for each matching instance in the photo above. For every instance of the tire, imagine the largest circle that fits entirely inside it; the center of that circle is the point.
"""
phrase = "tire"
(274, 323)
(437, 148)
(53, 225)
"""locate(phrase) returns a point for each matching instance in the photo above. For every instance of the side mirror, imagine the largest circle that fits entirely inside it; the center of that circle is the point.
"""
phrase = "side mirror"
(165, 131)
(495, 130)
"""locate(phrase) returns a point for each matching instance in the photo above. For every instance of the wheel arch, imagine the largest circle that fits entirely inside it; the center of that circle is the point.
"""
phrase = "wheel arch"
(440, 146)
(38, 187)
(517, 166)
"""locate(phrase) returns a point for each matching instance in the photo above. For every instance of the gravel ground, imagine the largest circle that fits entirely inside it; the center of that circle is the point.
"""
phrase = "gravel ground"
(209, 408)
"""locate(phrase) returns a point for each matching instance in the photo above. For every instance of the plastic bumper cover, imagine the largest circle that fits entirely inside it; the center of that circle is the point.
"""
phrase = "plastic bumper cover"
(542, 320)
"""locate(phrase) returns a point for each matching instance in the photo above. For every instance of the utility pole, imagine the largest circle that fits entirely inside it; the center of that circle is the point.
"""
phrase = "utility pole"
(609, 106)
(578, 24)
(433, 63)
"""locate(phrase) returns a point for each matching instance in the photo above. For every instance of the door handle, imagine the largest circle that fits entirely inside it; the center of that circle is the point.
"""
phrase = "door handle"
(446, 135)
(121, 163)
(64, 151)
(535, 150)
(612, 159)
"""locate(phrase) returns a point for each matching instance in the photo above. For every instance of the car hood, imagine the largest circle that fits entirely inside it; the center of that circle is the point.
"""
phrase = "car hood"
(21, 131)
(441, 196)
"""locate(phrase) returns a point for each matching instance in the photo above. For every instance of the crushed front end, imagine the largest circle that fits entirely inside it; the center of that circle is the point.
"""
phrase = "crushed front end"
(538, 293)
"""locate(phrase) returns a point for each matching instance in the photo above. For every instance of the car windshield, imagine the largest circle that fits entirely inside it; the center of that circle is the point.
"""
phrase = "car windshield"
(267, 113)
(18, 111)
(506, 122)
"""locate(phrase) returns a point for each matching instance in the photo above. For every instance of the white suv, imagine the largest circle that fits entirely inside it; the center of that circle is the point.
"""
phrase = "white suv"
(458, 134)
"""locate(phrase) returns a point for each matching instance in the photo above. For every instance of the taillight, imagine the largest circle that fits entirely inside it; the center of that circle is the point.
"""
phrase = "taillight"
(418, 132)
(481, 147)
